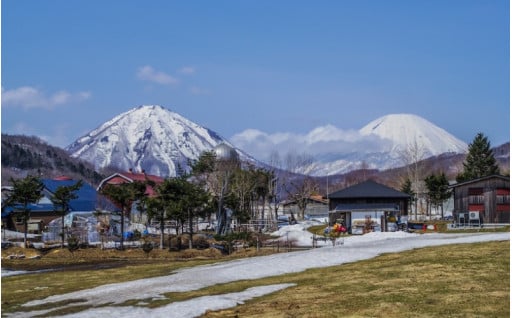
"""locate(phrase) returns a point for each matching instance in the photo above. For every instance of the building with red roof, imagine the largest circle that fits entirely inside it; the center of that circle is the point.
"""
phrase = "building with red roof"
(129, 177)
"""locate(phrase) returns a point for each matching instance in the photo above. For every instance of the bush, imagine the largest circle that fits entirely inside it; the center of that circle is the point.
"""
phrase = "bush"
(200, 242)
(73, 243)
(147, 245)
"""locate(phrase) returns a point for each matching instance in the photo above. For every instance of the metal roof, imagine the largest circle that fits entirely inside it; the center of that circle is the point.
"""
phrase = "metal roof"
(87, 195)
(225, 152)
(87, 200)
(368, 189)
(45, 207)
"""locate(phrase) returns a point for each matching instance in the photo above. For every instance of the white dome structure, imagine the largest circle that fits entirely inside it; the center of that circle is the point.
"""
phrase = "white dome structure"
(224, 152)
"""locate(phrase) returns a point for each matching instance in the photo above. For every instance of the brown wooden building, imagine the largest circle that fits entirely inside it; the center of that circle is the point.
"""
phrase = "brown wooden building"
(490, 196)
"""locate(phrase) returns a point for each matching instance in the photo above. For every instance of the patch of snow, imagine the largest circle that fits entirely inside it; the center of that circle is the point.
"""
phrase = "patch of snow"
(6, 272)
(188, 308)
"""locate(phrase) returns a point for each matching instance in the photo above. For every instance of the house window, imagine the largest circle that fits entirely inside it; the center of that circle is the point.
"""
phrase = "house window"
(476, 195)
(503, 199)
(502, 196)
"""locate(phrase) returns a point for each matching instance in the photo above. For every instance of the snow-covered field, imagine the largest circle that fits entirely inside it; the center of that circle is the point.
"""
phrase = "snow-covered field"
(354, 248)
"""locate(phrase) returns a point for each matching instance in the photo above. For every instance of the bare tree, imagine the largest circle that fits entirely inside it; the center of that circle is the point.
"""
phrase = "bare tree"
(274, 184)
(299, 187)
(412, 157)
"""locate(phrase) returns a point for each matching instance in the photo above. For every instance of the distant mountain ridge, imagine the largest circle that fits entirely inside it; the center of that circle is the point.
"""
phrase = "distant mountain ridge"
(159, 141)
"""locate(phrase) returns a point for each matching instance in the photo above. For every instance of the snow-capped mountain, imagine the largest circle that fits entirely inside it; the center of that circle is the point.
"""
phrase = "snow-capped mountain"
(150, 138)
(157, 140)
(406, 130)
(392, 141)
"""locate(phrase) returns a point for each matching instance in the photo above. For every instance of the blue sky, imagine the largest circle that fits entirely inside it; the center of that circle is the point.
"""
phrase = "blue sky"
(272, 66)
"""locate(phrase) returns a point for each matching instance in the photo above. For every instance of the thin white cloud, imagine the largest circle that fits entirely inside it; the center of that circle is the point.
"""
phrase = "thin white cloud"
(321, 142)
(28, 97)
(148, 73)
(187, 70)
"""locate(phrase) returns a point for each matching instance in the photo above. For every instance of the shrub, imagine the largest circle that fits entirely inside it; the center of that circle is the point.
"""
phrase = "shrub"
(73, 243)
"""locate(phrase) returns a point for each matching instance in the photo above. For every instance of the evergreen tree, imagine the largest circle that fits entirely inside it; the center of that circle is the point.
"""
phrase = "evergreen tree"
(183, 200)
(123, 195)
(25, 192)
(61, 201)
(438, 192)
(480, 161)
(156, 211)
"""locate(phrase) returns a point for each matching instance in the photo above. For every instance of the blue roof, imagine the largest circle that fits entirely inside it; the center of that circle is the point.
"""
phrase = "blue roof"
(45, 207)
(87, 195)
(87, 200)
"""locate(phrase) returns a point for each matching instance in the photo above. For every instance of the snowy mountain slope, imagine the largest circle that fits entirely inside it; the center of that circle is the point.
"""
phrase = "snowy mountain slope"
(150, 138)
(397, 136)
(404, 130)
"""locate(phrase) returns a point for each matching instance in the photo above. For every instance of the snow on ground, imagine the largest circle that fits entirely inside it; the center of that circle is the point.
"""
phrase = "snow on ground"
(355, 248)
(6, 273)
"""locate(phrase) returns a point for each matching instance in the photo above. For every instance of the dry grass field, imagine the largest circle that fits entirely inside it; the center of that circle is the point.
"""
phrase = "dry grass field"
(446, 281)
(468, 280)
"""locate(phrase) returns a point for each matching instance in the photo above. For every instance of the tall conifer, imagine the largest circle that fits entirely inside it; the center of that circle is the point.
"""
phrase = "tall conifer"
(480, 161)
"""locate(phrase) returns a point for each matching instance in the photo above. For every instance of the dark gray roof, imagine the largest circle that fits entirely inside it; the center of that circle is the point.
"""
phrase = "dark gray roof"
(368, 189)
(367, 207)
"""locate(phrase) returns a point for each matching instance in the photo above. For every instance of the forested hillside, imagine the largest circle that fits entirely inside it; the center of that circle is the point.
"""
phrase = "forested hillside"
(23, 155)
